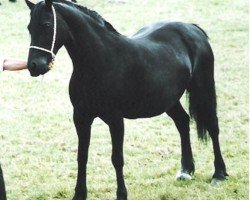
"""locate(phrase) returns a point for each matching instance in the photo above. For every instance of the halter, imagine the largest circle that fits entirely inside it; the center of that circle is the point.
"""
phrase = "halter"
(51, 51)
(39, 86)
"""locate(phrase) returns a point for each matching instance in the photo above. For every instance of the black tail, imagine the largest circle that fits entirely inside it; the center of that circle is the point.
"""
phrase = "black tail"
(202, 95)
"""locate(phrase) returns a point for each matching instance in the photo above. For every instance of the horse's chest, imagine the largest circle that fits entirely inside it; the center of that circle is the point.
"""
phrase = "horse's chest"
(84, 94)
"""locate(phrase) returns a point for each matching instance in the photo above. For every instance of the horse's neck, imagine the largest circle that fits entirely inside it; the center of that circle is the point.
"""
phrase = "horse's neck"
(85, 39)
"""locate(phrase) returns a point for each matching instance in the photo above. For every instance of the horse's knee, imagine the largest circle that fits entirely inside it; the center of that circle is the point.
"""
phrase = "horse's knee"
(117, 160)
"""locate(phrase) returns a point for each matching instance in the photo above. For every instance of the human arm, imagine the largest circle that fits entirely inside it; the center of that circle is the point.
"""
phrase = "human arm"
(12, 64)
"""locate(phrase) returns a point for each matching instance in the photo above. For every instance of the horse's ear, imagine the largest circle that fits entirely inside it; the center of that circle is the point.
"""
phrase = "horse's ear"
(29, 4)
(48, 3)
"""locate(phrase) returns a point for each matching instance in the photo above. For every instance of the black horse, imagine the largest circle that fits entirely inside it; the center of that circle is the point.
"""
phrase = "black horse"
(117, 77)
(2, 186)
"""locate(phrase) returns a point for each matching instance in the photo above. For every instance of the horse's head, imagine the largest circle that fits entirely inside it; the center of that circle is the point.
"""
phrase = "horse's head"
(47, 36)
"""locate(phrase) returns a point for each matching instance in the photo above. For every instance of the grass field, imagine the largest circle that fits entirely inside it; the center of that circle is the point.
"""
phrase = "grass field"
(38, 146)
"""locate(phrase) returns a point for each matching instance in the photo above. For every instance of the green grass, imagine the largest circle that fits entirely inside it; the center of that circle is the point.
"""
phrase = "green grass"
(38, 146)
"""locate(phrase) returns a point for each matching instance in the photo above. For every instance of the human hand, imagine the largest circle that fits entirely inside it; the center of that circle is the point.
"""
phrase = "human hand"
(51, 65)
(1, 64)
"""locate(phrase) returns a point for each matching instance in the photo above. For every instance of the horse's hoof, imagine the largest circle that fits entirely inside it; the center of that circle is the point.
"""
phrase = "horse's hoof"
(122, 196)
(183, 176)
(219, 177)
(216, 181)
(79, 198)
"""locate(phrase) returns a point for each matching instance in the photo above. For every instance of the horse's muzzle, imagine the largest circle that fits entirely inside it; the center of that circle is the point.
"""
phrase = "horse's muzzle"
(37, 69)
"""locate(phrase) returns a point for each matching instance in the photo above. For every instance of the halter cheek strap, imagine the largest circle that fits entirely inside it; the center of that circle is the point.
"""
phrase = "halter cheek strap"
(51, 51)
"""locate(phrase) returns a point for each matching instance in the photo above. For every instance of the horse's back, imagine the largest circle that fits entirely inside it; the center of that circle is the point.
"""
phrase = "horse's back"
(146, 31)
(177, 35)
(172, 30)
(185, 43)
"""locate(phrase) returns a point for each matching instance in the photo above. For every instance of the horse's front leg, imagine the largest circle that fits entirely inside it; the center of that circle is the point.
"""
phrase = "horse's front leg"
(83, 124)
(116, 127)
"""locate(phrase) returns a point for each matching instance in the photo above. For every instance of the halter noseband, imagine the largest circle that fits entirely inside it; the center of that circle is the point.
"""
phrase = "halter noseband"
(51, 51)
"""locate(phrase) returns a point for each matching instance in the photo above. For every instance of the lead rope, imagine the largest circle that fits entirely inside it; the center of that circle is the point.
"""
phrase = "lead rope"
(33, 100)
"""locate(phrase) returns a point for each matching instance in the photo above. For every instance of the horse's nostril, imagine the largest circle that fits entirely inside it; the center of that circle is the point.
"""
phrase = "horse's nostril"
(33, 66)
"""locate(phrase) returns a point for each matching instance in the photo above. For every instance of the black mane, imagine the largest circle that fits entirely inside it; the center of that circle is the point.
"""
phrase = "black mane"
(93, 14)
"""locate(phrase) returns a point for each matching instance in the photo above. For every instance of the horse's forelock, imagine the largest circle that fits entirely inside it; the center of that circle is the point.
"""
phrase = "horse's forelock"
(48, 3)
(37, 13)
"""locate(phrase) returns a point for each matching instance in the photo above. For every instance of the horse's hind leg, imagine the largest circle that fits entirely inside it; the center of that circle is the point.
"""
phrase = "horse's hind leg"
(116, 127)
(220, 168)
(181, 120)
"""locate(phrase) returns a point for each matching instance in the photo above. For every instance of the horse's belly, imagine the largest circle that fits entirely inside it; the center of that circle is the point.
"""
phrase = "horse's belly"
(135, 115)
(146, 107)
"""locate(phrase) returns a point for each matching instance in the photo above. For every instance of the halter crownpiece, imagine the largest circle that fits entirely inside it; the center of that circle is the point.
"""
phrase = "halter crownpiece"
(51, 51)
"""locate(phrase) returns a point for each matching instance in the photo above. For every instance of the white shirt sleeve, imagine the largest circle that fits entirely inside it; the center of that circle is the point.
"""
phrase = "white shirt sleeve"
(1, 64)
